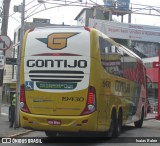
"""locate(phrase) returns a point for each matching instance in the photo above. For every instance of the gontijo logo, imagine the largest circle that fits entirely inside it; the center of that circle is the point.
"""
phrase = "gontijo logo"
(57, 41)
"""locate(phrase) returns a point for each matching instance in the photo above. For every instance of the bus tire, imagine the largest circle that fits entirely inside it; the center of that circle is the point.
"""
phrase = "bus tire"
(9, 114)
(113, 126)
(139, 123)
(119, 123)
(51, 133)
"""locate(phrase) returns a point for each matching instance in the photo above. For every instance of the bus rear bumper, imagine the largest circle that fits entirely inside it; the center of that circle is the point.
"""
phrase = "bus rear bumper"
(59, 123)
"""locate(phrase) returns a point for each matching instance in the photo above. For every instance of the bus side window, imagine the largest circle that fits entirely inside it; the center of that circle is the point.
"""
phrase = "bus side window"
(113, 48)
(106, 50)
(111, 57)
(104, 45)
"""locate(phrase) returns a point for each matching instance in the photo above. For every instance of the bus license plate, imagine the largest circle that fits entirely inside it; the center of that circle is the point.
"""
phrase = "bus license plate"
(54, 122)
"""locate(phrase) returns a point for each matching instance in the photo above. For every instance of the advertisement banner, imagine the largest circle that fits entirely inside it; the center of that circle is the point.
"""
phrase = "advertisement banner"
(123, 4)
(127, 31)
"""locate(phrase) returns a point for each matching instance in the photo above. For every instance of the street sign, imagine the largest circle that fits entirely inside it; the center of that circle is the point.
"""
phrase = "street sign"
(5, 42)
(40, 20)
(156, 64)
(11, 61)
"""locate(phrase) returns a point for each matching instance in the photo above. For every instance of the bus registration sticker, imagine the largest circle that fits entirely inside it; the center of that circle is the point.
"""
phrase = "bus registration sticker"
(54, 122)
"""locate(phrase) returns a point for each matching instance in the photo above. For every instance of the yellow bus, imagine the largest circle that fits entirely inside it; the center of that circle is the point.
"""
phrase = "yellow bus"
(77, 79)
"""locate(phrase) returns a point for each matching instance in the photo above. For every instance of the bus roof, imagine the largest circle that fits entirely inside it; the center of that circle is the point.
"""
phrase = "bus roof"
(61, 27)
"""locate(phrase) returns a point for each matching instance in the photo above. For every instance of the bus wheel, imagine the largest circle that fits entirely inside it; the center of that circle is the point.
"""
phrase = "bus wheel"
(139, 123)
(51, 133)
(9, 114)
(113, 126)
(119, 124)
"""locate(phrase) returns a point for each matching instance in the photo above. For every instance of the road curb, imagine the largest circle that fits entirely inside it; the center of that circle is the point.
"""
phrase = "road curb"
(20, 134)
(149, 119)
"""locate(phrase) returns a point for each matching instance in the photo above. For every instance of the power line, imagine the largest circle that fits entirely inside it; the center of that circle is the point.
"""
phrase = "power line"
(30, 2)
(137, 8)
(140, 3)
(15, 19)
(62, 4)
(35, 9)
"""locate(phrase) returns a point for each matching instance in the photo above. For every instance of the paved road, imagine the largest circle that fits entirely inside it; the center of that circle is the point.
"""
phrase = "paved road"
(130, 136)
(151, 128)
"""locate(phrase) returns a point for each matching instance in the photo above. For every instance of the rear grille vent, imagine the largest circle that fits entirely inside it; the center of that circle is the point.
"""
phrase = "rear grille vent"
(56, 76)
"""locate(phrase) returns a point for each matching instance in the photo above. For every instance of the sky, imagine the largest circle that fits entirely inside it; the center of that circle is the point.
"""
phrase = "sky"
(67, 14)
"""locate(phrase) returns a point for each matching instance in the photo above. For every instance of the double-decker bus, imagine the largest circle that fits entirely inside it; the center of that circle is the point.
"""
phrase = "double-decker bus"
(77, 79)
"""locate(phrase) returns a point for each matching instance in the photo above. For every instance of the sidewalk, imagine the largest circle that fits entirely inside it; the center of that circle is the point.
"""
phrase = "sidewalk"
(151, 116)
(5, 131)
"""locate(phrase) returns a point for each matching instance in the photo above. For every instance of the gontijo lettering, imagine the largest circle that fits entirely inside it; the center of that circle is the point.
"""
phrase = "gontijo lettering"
(57, 63)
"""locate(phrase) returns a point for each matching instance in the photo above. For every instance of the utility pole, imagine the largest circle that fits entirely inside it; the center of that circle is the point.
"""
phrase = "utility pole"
(4, 28)
(5, 14)
(17, 118)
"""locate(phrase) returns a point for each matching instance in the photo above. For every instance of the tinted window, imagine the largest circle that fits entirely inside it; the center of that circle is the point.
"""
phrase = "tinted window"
(111, 57)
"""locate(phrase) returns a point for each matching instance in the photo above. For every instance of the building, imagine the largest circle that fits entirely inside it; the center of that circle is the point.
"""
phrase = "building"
(152, 73)
(8, 82)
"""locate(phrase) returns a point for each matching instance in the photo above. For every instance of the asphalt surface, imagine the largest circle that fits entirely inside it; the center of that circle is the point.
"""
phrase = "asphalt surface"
(5, 131)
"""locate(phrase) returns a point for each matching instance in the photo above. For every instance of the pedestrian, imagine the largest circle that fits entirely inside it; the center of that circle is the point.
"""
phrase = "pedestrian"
(13, 106)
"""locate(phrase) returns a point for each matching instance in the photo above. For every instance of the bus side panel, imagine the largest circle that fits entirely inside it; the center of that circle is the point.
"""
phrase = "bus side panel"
(96, 80)
(141, 103)
(124, 84)
(22, 58)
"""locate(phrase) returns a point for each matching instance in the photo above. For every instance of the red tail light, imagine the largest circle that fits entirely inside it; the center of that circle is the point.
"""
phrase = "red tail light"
(23, 105)
(90, 98)
(87, 28)
(30, 30)
(91, 101)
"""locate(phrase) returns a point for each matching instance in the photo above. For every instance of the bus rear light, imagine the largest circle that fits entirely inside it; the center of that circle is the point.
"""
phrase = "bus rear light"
(22, 94)
(23, 104)
(91, 98)
(87, 28)
(30, 30)
(91, 101)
